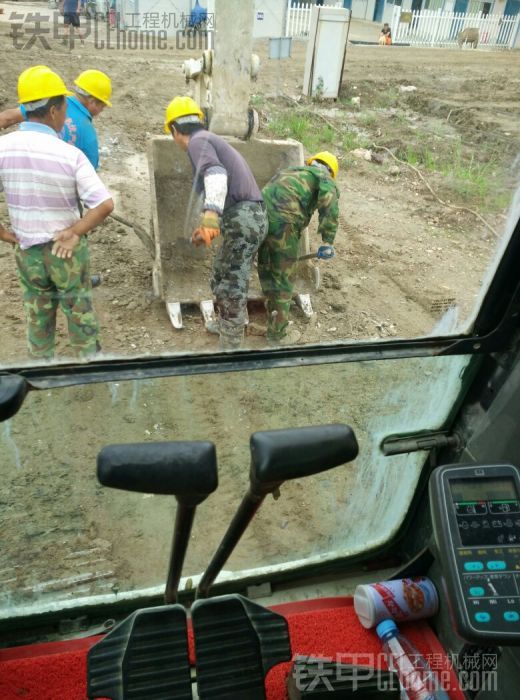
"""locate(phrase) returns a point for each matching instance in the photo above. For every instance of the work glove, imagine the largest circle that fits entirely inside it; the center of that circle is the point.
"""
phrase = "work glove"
(208, 230)
(325, 252)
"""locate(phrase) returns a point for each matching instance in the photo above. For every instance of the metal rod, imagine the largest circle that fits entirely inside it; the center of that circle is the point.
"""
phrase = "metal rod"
(143, 235)
(416, 443)
(181, 537)
(245, 513)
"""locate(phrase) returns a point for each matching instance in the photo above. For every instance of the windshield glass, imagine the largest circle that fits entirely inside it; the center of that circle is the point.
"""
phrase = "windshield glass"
(426, 136)
(65, 538)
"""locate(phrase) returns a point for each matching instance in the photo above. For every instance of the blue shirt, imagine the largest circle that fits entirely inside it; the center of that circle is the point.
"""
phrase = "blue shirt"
(70, 6)
(79, 130)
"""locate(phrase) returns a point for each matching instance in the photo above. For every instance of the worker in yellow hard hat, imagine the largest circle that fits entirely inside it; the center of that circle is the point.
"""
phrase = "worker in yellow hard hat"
(44, 179)
(232, 207)
(93, 90)
(291, 197)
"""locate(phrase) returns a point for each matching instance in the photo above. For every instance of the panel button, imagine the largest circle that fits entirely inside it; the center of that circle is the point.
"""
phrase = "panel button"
(473, 566)
(476, 590)
(482, 617)
(496, 565)
(511, 616)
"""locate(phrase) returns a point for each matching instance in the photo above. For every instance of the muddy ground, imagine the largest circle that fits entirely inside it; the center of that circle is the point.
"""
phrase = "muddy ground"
(403, 259)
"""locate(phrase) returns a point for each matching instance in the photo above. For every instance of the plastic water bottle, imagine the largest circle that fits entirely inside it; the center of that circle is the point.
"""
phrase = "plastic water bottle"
(418, 681)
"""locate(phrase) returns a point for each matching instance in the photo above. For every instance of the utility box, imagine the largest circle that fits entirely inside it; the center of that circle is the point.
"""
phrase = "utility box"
(280, 47)
(326, 51)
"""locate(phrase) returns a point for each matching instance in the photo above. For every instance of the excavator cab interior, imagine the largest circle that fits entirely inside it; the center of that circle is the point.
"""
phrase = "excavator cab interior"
(377, 462)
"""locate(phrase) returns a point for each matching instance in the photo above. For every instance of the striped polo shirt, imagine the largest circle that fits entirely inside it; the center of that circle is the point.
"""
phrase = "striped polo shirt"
(43, 177)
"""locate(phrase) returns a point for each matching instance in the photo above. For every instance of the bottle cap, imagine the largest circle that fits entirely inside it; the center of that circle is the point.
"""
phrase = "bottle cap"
(385, 627)
(364, 606)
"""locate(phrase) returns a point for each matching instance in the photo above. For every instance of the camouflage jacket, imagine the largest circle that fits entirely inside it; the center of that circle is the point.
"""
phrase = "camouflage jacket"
(294, 194)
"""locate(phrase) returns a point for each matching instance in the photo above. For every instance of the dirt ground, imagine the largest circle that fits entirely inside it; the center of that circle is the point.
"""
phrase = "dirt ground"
(402, 257)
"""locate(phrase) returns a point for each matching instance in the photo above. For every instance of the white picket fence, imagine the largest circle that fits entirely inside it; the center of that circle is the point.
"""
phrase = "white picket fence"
(298, 20)
(439, 28)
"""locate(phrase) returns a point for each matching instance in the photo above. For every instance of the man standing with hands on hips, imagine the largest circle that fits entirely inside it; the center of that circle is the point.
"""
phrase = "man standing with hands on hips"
(42, 178)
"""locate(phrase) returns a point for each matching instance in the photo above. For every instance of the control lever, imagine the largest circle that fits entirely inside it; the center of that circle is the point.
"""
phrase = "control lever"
(277, 456)
(184, 469)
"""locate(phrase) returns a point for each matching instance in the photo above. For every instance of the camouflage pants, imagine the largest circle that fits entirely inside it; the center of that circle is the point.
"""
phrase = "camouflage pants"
(48, 281)
(244, 227)
(276, 269)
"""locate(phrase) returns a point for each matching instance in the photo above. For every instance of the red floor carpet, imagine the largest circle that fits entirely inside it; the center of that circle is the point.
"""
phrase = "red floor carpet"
(328, 628)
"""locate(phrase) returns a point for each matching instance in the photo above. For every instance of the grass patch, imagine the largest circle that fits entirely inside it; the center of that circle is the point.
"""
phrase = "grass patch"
(367, 119)
(307, 128)
(328, 135)
(316, 134)
(418, 157)
(256, 100)
(465, 177)
(386, 98)
(474, 180)
(399, 118)
(353, 140)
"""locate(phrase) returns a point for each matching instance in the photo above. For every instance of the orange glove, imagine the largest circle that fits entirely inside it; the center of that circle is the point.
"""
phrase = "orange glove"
(208, 230)
(204, 235)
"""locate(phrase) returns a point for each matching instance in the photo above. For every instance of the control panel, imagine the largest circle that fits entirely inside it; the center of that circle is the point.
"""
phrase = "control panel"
(476, 523)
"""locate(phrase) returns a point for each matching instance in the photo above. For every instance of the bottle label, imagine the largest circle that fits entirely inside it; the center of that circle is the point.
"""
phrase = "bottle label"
(403, 599)
(389, 601)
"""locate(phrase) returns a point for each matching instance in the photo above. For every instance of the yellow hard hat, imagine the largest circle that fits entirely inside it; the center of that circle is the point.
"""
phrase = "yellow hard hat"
(181, 107)
(97, 84)
(40, 83)
(328, 158)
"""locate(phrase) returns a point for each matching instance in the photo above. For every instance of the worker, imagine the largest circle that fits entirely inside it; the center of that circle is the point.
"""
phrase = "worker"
(71, 19)
(291, 197)
(42, 177)
(93, 92)
(385, 36)
(232, 206)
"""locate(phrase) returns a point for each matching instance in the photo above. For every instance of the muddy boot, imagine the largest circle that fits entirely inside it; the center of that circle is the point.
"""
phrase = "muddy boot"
(292, 337)
(256, 329)
(277, 318)
(231, 336)
(213, 326)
